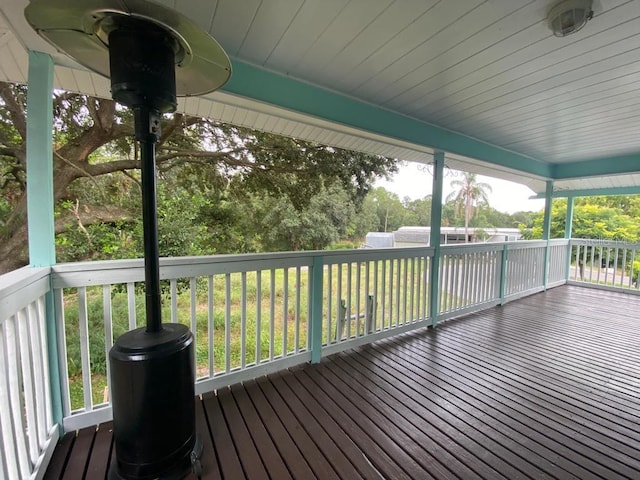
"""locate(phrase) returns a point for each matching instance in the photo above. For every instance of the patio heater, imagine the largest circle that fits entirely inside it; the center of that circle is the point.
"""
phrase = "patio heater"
(152, 54)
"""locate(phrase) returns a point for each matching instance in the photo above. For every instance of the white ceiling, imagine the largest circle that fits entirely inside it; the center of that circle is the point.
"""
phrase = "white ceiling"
(489, 70)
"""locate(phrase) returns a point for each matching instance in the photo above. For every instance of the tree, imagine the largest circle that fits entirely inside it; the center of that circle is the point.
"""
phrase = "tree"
(389, 209)
(94, 153)
(590, 220)
(321, 222)
(418, 211)
(470, 193)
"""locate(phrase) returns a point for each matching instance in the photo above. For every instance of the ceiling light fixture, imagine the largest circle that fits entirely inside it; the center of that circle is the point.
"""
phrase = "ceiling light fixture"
(569, 16)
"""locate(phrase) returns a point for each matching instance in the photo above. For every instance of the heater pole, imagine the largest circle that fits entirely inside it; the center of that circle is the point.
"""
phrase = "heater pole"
(147, 129)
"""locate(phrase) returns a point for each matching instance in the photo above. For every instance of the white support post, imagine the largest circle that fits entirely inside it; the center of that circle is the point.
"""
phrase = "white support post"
(546, 229)
(434, 238)
(568, 226)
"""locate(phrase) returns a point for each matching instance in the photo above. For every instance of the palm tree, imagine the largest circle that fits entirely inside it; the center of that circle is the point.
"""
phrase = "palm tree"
(468, 194)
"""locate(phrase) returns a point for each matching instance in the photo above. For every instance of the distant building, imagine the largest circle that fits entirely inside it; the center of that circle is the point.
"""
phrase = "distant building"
(379, 240)
(419, 236)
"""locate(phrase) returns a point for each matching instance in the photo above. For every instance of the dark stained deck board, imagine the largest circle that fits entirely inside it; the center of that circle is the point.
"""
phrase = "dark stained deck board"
(229, 461)
(337, 447)
(292, 456)
(60, 456)
(547, 387)
(305, 444)
(99, 460)
(210, 466)
(261, 439)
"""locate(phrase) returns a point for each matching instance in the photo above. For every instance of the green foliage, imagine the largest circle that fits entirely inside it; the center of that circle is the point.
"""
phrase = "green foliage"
(601, 218)
(468, 195)
(321, 222)
(213, 179)
(390, 213)
(342, 246)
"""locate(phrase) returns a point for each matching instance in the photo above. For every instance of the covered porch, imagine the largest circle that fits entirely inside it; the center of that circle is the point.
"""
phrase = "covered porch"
(544, 387)
(321, 363)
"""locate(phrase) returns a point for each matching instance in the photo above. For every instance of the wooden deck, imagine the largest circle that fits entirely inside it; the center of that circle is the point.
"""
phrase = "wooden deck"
(544, 387)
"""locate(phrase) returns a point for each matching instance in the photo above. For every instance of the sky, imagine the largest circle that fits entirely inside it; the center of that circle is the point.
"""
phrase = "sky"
(414, 181)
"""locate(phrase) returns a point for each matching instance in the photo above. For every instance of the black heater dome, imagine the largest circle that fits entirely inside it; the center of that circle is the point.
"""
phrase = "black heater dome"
(80, 28)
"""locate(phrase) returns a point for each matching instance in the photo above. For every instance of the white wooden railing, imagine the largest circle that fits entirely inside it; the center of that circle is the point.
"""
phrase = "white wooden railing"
(524, 272)
(370, 294)
(28, 433)
(469, 278)
(250, 315)
(606, 264)
(558, 263)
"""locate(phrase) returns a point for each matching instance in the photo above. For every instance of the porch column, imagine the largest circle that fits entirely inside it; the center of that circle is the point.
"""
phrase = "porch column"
(434, 237)
(568, 224)
(40, 220)
(316, 291)
(546, 229)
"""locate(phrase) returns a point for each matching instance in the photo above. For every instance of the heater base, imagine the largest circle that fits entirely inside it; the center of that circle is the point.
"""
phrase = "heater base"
(153, 401)
(194, 466)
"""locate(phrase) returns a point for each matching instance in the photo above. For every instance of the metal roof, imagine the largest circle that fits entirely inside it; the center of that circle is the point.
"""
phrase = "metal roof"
(484, 81)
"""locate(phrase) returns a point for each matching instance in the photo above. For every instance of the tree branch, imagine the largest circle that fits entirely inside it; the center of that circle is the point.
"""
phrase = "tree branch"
(91, 214)
(16, 111)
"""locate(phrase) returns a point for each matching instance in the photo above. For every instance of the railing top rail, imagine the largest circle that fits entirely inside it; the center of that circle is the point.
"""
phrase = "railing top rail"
(16, 280)
(20, 287)
(604, 243)
(457, 248)
(123, 271)
(523, 244)
(559, 241)
(369, 254)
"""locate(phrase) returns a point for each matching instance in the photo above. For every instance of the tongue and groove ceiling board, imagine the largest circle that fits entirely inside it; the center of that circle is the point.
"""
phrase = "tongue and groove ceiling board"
(486, 81)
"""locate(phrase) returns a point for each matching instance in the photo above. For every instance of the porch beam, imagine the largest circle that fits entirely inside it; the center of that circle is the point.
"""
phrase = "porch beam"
(40, 219)
(590, 192)
(614, 165)
(265, 86)
(434, 236)
(546, 229)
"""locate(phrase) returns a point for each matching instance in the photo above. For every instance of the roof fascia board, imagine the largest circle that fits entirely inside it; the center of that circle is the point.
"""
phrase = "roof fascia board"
(591, 192)
(259, 84)
(598, 166)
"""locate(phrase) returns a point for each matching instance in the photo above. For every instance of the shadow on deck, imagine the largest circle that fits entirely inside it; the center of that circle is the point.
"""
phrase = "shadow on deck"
(544, 387)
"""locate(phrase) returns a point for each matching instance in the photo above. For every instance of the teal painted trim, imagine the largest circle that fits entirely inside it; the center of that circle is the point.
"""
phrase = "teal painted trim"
(52, 354)
(546, 223)
(568, 223)
(40, 220)
(434, 237)
(546, 230)
(568, 227)
(503, 274)
(269, 87)
(591, 192)
(597, 167)
(317, 271)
